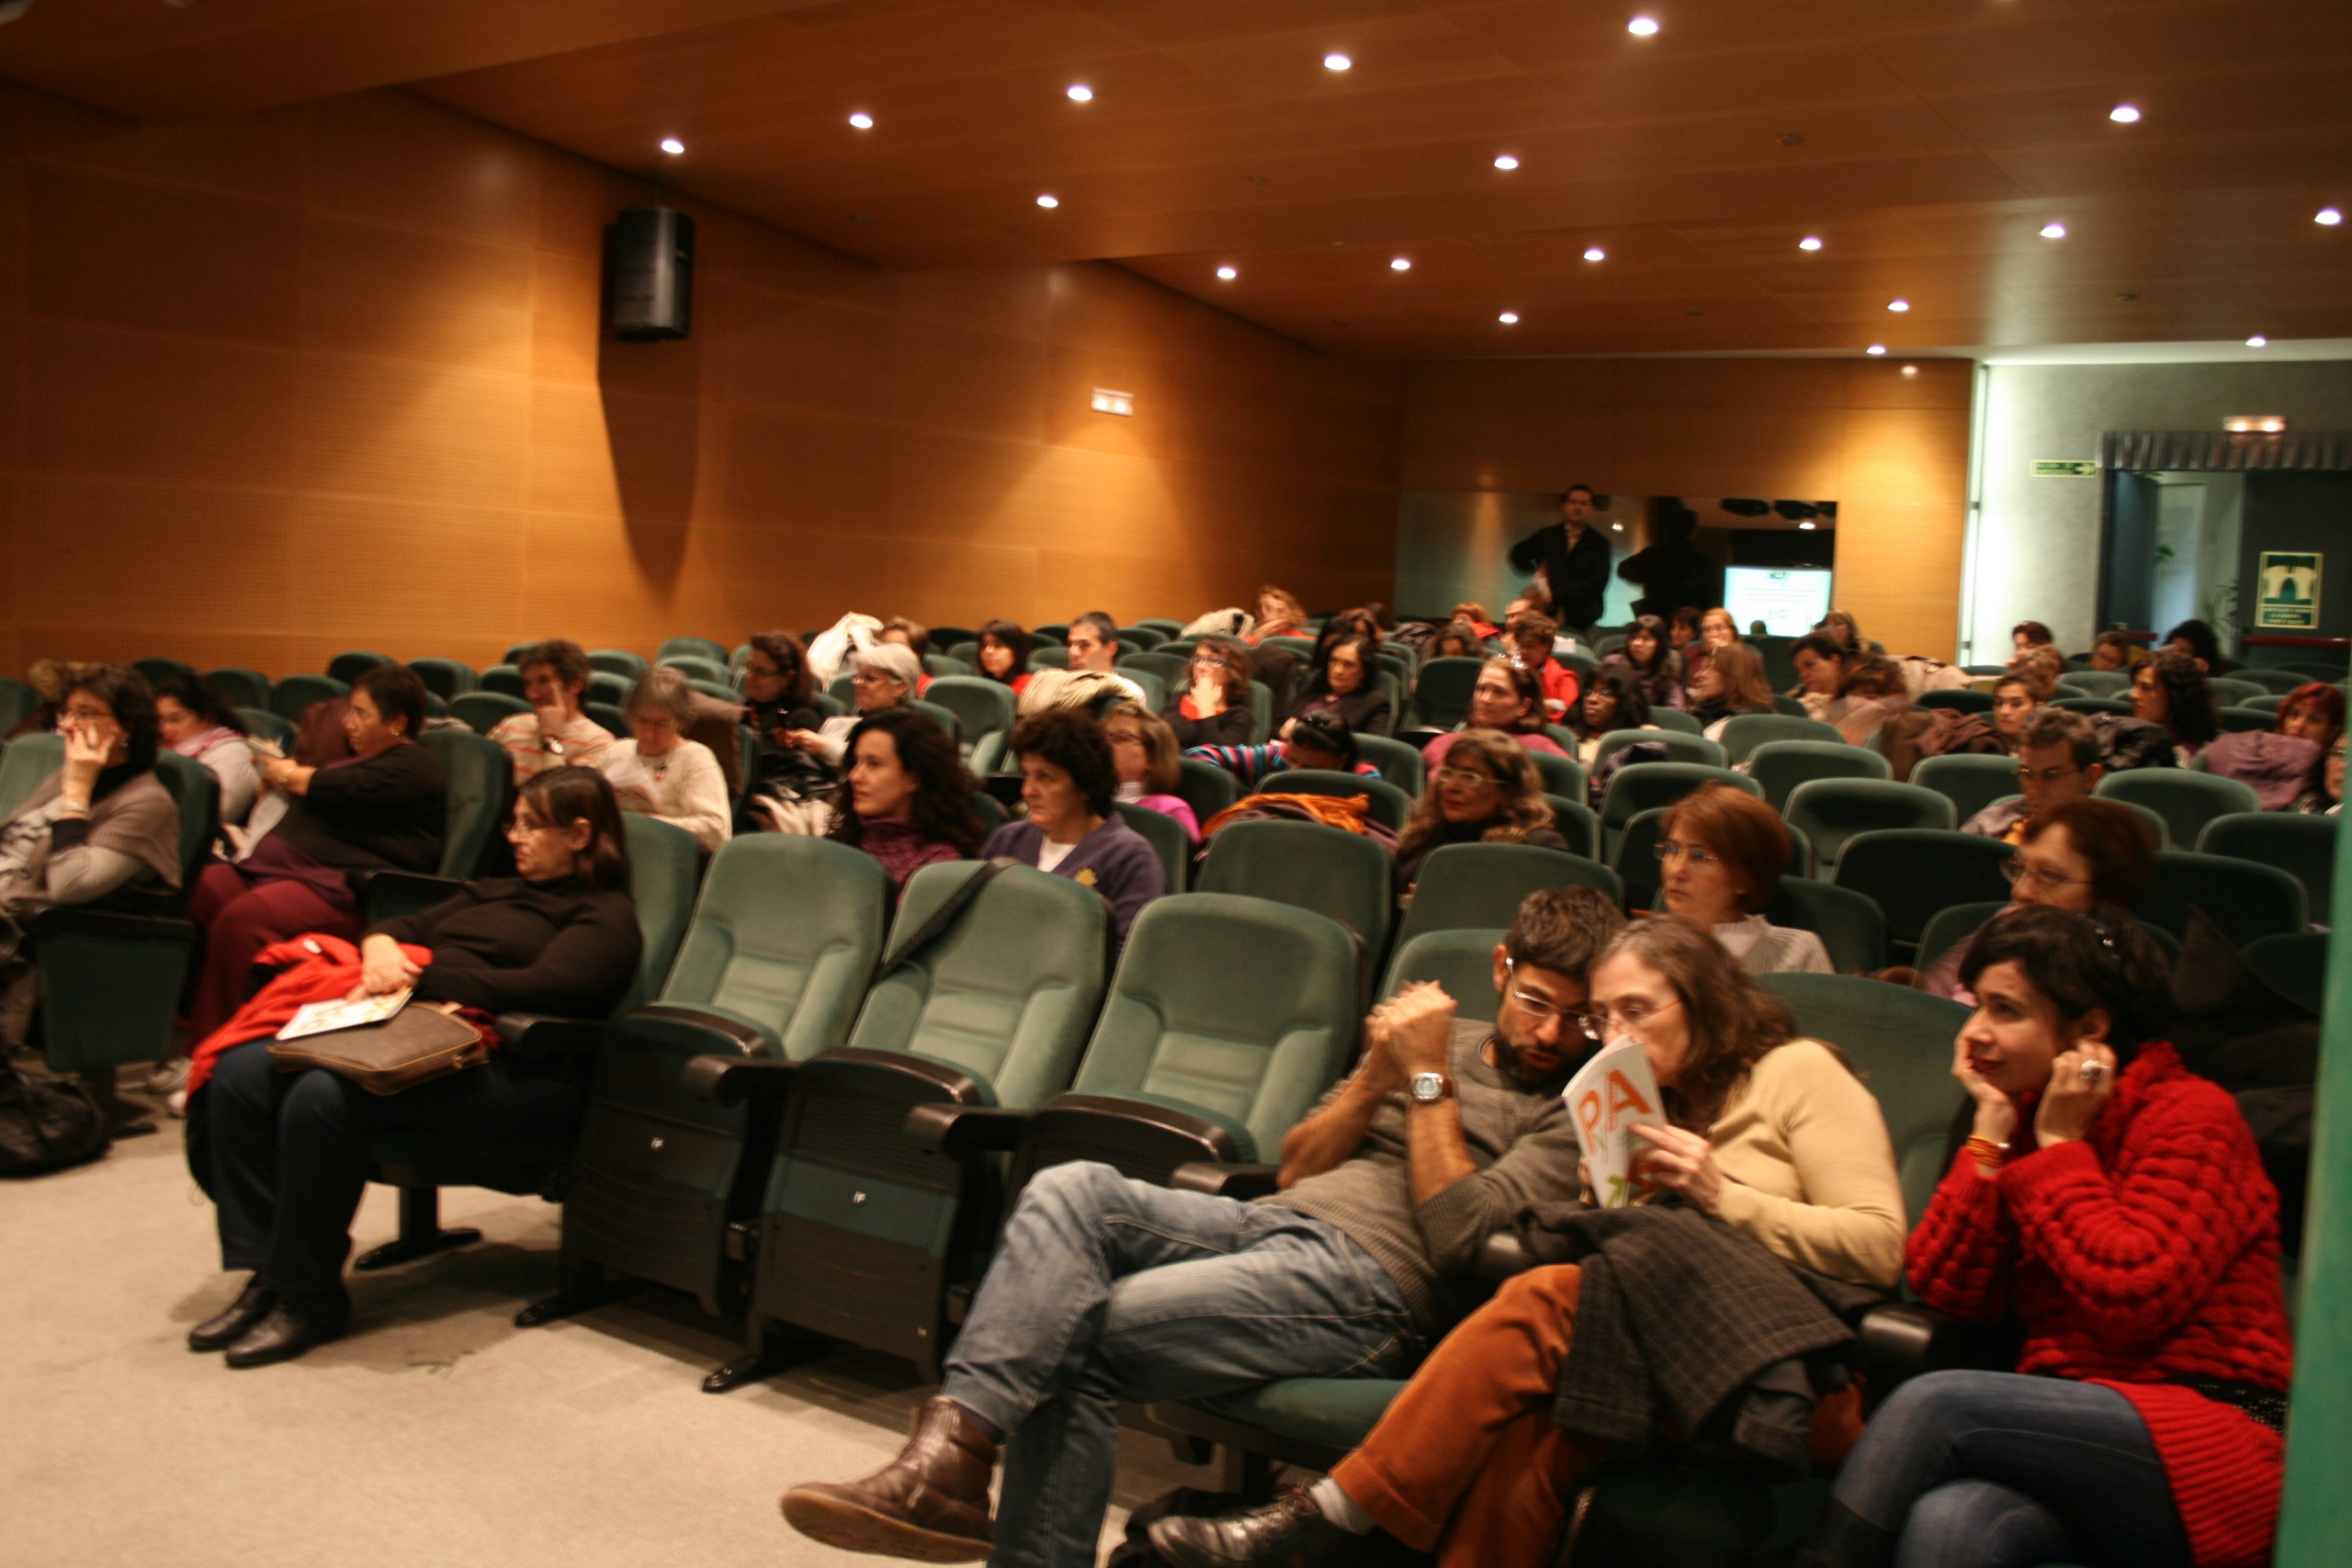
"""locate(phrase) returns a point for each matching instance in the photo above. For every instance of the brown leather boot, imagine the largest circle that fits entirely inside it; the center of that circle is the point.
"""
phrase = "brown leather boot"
(930, 1504)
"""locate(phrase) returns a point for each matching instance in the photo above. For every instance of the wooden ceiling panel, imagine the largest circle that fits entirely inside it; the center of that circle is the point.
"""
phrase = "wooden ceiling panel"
(1926, 143)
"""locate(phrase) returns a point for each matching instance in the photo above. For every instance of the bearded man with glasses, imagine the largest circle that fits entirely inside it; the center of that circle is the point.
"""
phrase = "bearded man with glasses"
(1109, 1290)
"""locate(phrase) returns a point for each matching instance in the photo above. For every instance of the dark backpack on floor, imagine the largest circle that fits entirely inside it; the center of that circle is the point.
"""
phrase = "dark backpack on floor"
(46, 1123)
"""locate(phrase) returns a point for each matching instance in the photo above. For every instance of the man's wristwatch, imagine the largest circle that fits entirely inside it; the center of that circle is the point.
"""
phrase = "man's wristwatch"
(1428, 1088)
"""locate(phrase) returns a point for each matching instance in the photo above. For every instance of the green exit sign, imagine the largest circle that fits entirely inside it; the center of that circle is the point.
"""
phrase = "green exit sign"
(2065, 468)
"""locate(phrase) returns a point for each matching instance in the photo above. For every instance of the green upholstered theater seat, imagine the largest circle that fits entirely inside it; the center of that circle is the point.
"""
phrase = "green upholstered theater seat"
(1167, 839)
(445, 678)
(1745, 732)
(1779, 766)
(237, 688)
(984, 712)
(1207, 788)
(1695, 750)
(482, 712)
(480, 782)
(775, 963)
(2248, 901)
(1848, 923)
(618, 662)
(348, 667)
(1442, 691)
(1461, 959)
(1562, 776)
(1971, 783)
(1650, 786)
(1911, 873)
(1399, 763)
(862, 1235)
(292, 695)
(692, 648)
(1831, 811)
(1482, 885)
(2186, 800)
(1341, 876)
(2293, 841)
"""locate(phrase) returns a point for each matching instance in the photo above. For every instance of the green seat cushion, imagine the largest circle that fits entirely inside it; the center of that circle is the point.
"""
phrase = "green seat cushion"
(1334, 1411)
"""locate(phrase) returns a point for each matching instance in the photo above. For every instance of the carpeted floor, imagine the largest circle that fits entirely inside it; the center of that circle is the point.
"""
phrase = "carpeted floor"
(437, 1434)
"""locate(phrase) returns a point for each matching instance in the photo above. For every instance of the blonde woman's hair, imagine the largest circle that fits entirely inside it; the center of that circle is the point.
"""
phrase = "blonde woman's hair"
(1742, 675)
(1163, 763)
(1523, 810)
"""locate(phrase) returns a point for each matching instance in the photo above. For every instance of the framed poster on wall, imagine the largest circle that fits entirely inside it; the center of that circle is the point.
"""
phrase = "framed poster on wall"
(2287, 590)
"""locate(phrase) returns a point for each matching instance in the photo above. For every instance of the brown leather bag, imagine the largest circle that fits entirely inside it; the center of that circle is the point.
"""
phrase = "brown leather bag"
(421, 1041)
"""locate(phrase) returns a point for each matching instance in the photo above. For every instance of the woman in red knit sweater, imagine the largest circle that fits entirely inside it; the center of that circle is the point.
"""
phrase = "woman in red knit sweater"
(2115, 1205)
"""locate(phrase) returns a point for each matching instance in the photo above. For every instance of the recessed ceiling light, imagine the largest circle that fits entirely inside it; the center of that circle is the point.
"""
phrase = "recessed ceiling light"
(2328, 216)
(1079, 93)
(1228, 273)
(2257, 340)
(1049, 202)
(1642, 27)
(1910, 370)
(1875, 348)
(1399, 263)
(2053, 231)
(2124, 114)
(1898, 306)
(1337, 62)
(673, 146)
(1810, 242)
(1508, 318)
(1616, 527)
(862, 120)
(1595, 254)
(1804, 527)
(1508, 163)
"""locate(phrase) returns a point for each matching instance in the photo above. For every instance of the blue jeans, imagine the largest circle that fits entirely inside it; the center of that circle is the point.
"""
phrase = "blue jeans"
(1108, 1290)
(1997, 1470)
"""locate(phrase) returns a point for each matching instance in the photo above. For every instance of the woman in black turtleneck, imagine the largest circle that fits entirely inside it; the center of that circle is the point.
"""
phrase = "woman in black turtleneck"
(289, 1155)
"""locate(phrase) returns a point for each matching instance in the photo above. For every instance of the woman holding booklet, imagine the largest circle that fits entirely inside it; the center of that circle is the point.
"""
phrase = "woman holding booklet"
(1770, 1134)
(288, 1151)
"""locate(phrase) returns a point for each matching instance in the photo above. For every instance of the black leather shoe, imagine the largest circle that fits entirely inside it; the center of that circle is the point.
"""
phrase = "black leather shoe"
(299, 1320)
(1289, 1533)
(224, 1330)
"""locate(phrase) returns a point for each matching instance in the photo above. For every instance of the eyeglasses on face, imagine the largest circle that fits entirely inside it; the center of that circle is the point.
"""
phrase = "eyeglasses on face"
(2023, 870)
(1627, 1017)
(1669, 849)
(1466, 777)
(1542, 1010)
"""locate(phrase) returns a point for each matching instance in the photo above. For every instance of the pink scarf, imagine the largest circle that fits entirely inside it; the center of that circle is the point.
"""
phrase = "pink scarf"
(197, 745)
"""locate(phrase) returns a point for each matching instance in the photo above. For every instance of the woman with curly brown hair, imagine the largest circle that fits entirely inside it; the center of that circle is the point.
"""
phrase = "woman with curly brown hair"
(1772, 1134)
(2170, 690)
(909, 799)
(1485, 791)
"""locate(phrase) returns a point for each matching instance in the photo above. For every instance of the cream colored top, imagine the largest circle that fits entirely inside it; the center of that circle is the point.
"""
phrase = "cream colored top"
(690, 784)
(1808, 1168)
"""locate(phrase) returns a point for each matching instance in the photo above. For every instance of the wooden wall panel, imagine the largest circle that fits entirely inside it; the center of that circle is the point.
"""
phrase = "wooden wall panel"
(1887, 441)
(334, 376)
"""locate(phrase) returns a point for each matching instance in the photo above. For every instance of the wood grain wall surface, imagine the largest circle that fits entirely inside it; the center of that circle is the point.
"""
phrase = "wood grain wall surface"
(330, 376)
(1890, 447)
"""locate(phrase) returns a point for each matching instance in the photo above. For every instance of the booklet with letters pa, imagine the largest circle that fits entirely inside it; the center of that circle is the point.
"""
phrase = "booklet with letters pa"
(1614, 1094)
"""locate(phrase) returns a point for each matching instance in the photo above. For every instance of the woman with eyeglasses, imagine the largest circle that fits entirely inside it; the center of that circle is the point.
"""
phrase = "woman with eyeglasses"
(1214, 710)
(289, 1152)
(1720, 853)
(659, 772)
(2079, 856)
(883, 676)
(1770, 1134)
(2327, 799)
(2118, 1206)
(1485, 791)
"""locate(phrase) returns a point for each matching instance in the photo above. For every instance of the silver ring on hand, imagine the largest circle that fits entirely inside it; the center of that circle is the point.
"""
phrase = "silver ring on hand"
(2093, 1071)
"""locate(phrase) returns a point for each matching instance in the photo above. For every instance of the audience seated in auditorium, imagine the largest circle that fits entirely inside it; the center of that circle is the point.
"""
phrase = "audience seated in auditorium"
(1839, 628)
(555, 733)
(883, 676)
(1720, 853)
(2313, 712)
(1873, 692)
(1505, 698)
(779, 696)
(1472, 614)
(1531, 640)
(202, 726)
(2026, 636)
(1821, 662)
(1717, 630)
(908, 797)
(2311, 718)
(2114, 651)
(289, 1154)
(1770, 1134)
(1144, 749)
(1650, 656)
(1005, 655)
(1069, 783)
(1094, 648)
(1346, 683)
(1729, 683)
(2326, 797)
(2058, 761)
(915, 637)
(1682, 632)
(1483, 790)
(1353, 1270)
(659, 771)
(2116, 1205)
(2199, 641)
(1615, 702)
(381, 809)
(1279, 613)
(2080, 855)
(1214, 709)
(2170, 690)
(1458, 638)
(102, 827)
(1320, 741)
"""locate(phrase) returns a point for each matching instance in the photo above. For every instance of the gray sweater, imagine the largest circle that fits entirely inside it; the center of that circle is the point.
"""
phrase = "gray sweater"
(1523, 1144)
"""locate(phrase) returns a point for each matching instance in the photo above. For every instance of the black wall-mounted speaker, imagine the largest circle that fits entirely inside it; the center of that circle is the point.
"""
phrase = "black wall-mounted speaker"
(649, 274)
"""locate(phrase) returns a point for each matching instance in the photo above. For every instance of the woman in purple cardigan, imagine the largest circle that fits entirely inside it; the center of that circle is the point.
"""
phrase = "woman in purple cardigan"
(1069, 781)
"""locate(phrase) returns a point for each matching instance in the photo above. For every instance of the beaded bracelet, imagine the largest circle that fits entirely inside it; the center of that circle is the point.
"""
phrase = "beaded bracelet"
(1987, 1152)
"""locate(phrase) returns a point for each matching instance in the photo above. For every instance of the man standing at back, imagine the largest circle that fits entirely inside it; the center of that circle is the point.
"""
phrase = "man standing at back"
(2057, 762)
(1108, 1291)
(1574, 558)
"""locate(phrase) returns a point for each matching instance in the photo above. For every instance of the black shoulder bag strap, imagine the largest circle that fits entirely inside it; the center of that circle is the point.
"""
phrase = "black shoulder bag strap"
(945, 916)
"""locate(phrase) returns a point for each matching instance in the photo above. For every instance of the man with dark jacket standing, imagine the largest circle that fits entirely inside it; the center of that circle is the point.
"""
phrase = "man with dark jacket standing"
(1574, 560)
